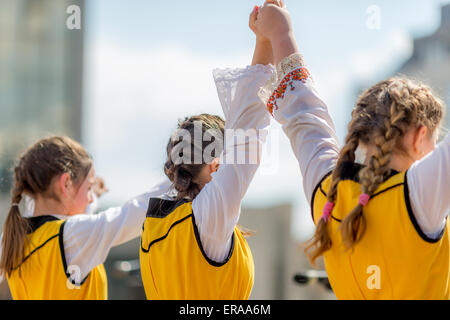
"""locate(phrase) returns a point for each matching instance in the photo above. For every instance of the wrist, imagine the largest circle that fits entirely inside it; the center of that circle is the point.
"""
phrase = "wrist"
(263, 52)
(262, 41)
(283, 46)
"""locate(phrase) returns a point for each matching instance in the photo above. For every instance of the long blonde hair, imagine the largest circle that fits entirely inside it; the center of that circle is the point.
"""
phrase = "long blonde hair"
(382, 116)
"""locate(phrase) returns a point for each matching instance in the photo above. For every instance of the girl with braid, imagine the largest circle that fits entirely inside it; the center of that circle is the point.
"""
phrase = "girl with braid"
(381, 225)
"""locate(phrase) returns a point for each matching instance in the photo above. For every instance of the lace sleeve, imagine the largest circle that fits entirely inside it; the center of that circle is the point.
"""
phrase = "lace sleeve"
(290, 69)
(229, 80)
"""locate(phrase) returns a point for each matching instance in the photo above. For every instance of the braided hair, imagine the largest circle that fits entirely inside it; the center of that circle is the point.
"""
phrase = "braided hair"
(184, 173)
(383, 115)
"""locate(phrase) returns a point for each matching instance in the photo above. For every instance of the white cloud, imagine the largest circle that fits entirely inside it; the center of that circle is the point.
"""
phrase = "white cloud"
(374, 62)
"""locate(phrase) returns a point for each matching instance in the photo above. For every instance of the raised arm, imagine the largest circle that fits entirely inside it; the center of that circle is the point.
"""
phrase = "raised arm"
(429, 188)
(263, 49)
(217, 207)
(295, 103)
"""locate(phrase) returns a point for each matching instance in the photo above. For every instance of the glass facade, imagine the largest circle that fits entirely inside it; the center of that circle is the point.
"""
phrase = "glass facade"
(41, 63)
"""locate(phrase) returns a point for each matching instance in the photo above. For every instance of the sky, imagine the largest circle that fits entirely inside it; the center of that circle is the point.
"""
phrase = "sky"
(149, 63)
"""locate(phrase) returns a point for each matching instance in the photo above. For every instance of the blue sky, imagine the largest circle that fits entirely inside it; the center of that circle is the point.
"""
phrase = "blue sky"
(149, 63)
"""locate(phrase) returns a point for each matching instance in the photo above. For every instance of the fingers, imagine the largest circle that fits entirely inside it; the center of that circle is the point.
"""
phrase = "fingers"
(252, 19)
(278, 3)
(275, 2)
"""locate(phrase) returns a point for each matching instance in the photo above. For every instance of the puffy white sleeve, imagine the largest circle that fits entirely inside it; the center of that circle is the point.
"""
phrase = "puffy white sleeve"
(429, 189)
(305, 120)
(217, 207)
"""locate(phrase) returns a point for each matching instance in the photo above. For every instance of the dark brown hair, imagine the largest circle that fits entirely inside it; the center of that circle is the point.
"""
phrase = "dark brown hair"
(382, 116)
(184, 174)
(37, 167)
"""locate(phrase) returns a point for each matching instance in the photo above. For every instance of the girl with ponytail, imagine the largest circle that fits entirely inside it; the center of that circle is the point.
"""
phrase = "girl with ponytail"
(58, 251)
(381, 225)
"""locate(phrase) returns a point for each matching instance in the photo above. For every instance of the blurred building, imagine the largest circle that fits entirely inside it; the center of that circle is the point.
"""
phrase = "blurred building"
(41, 63)
(430, 61)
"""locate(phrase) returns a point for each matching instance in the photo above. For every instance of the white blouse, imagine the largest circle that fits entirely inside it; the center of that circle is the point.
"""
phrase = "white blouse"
(307, 123)
(217, 207)
(89, 238)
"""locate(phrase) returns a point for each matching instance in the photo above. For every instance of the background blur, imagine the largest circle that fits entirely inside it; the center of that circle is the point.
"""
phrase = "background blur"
(120, 83)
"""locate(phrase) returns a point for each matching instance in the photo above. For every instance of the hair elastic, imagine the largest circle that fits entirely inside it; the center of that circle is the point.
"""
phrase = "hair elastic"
(326, 214)
(363, 199)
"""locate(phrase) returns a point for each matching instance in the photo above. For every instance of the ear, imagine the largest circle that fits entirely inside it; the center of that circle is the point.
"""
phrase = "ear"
(419, 140)
(214, 165)
(65, 184)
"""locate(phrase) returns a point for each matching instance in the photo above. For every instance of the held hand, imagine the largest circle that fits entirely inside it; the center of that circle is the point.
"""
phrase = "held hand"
(99, 187)
(252, 25)
(263, 49)
(279, 3)
(254, 18)
(273, 21)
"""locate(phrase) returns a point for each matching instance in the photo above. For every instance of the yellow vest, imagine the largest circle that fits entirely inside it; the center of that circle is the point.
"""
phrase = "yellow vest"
(394, 259)
(174, 265)
(42, 274)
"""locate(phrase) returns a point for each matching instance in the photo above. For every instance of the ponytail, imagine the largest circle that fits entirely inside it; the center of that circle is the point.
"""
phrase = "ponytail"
(15, 230)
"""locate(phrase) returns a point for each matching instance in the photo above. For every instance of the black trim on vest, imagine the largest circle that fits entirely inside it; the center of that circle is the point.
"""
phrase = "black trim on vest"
(338, 220)
(37, 248)
(161, 208)
(318, 186)
(350, 171)
(197, 238)
(384, 190)
(413, 218)
(199, 243)
(164, 236)
(36, 222)
(63, 256)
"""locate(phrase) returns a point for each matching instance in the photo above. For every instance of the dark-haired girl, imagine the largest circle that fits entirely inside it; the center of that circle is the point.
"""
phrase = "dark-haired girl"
(191, 247)
(381, 224)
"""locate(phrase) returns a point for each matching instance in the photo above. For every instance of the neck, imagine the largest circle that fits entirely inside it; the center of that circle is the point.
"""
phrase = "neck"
(399, 162)
(46, 206)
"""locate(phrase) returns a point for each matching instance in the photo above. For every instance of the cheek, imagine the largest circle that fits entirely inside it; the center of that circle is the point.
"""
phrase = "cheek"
(82, 200)
(429, 146)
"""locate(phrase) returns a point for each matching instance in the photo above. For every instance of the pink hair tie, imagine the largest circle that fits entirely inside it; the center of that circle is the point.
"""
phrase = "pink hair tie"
(363, 199)
(327, 211)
